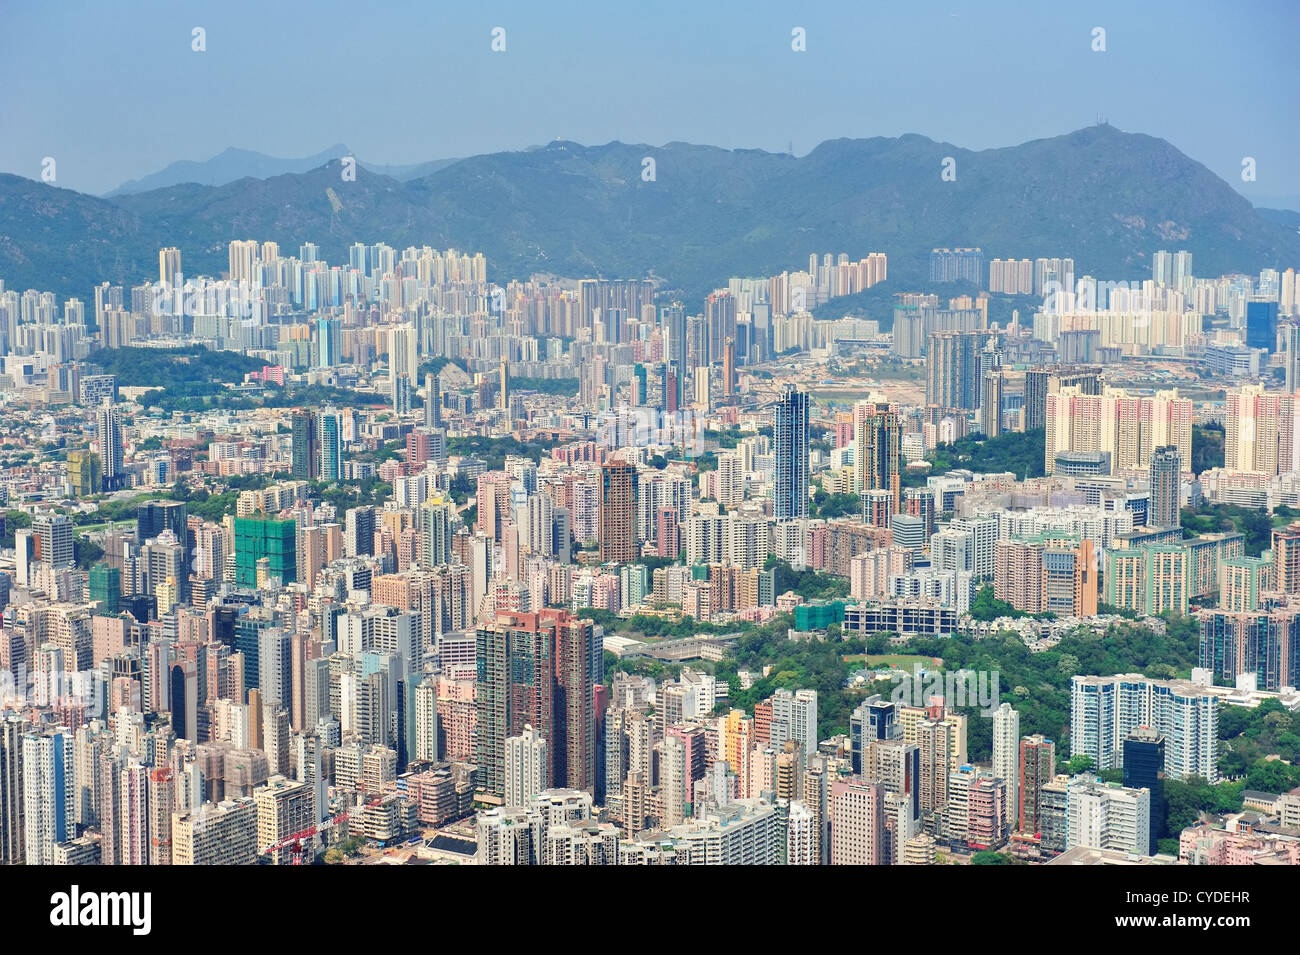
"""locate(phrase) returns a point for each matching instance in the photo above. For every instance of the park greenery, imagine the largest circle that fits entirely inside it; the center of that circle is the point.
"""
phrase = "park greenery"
(834, 504)
(546, 386)
(986, 606)
(494, 451)
(1255, 524)
(1260, 748)
(198, 396)
(1021, 453)
(174, 368)
(643, 626)
(809, 584)
(1207, 447)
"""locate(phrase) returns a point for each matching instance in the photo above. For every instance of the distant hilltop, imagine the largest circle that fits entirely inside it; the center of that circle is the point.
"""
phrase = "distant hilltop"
(1106, 198)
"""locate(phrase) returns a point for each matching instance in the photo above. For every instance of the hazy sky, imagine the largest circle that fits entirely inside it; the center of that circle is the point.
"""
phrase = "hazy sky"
(113, 91)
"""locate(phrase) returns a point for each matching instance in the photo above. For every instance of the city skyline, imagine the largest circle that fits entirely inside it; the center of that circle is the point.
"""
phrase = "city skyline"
(895, 505)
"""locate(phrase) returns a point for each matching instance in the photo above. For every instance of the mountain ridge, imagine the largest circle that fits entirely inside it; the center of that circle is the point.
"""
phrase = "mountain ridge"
(233, 164)
(1106, 197)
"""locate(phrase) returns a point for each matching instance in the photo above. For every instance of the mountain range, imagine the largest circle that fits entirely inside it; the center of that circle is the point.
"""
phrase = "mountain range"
(1106, 197)
(234, 164)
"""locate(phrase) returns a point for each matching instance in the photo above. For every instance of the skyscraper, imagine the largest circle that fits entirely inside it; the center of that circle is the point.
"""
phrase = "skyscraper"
(991, 403)
(53, 535)
(1040, 382)
(794, 718)
(256, 538)
(858, 834)
(1166, 475)
(618, 512)
(154, 517)
(954, 364)
(359, 531)
(48, 777)
(403, 362)
(1037, 769)
(432, 401)
(579, 667)
(183, 687)
(306, 446)
(729, 370)
(674, 323)
(538, 670)
(1261, 325)
(878, 434)
(329, 334)
(720, 317)
(1103, 709)
(169, 267)
(516, 686)
(331, 446)
(274, 667)
(1144, 768)
(526, 768)
(1291, 362)
(790, 437)
(1006, 755)
(1129, 426)
(954, 265)
(108, 434)
(12, 729)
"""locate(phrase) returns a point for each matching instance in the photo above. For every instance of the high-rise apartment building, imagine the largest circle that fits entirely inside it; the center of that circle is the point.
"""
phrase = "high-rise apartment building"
(794, 718)
(527, 767)
(1261, 432)
(306, 446)
(790, 441)
(877, 457)
(955, 364)
(858, 834)
(1166, 494)
(539, 670)
(53, 536)
(224, 833)
(1109, 816)
(1037, 769)
(1104, 710)
(1006, 755)
(1128, 426)
(1052, 574)
(48, 784)
(12, 825)
(1040, 382)
(957, 265)
(618, 513)
(993, 387)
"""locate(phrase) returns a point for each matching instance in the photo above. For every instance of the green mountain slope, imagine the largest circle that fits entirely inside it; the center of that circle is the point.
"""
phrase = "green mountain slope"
(1106, 197)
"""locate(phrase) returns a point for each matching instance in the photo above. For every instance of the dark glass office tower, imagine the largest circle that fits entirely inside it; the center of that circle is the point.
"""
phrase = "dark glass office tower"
(1261, 325)
(1144, 768)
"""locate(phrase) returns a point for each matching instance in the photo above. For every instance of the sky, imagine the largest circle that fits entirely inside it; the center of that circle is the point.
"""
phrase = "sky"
(115, 91)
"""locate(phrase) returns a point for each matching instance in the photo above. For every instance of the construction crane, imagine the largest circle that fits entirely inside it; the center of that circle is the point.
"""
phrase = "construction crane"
(296, 841)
